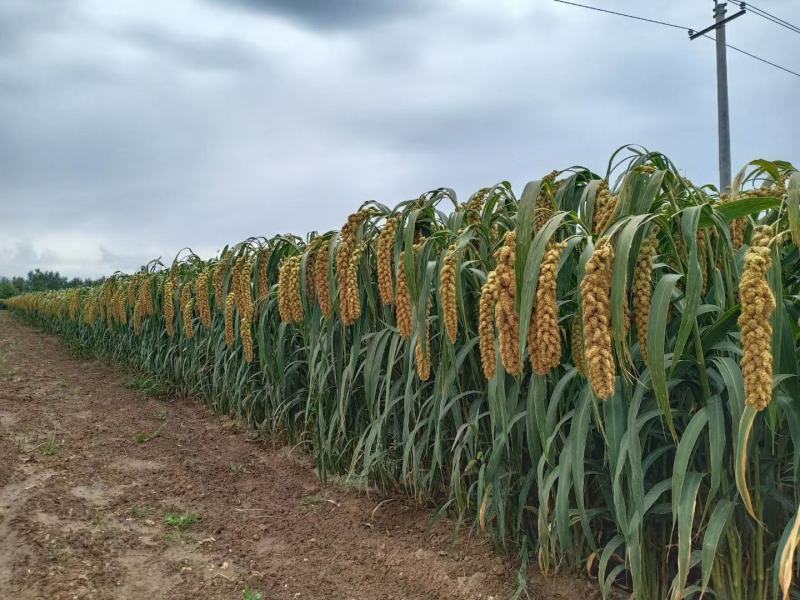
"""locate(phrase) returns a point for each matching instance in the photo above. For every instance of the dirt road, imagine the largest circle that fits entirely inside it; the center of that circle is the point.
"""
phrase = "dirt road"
(94, 505)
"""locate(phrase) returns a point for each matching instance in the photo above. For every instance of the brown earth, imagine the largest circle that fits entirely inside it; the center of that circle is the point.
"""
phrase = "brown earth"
(83, 503)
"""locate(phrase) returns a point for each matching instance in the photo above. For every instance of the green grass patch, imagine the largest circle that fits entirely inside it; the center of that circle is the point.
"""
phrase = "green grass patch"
(181, 521)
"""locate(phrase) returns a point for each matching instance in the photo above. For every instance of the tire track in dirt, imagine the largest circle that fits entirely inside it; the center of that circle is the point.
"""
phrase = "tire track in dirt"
(82, 504)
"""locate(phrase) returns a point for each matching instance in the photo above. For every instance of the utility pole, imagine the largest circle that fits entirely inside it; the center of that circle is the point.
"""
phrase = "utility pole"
(723, 116)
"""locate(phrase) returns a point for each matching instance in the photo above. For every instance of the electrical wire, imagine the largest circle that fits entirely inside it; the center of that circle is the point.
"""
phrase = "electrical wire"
(770, 17)
(673, 25)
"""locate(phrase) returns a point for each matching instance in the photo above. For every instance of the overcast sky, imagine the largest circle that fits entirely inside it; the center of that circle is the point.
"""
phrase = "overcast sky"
(131, 129)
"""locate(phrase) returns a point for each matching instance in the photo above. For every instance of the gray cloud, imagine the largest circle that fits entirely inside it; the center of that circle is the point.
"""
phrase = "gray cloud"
(339, 14)
(128, 134)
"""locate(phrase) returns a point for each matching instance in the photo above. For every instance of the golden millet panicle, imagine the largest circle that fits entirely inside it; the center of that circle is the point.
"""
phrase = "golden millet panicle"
(643, 291)
(290, 301)
(311, 258)
(506, 317)
(474, 206)
(544, 335)
(263, 282)
(423, 350)
(757, 306)
(486, 325)
(605, 207)
(596, 297)
(403, 308)
(230, 307)
(245, 326)
(169, 307)
(219, 276)
(578, 354)
(131, 290)
(447, 289)
(146, 296)
(321, 282)
(187, 307)
(346, 260)
(545, 203)
(203, 301)
(385, 257)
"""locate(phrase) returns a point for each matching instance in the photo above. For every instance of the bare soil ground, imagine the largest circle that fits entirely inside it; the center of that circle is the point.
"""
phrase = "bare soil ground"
(83, 503)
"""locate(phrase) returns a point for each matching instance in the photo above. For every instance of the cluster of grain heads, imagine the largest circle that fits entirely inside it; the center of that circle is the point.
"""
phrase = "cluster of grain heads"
(486, 330)
(423, 350)
(263, 273)
(605, 207)
(403, 307)
(576, 346)
(187, 309)
(219, 279)
(311, 254)
(203, 300)
(348, 258)
(506, 316)
(322, 284)
(474, 206)
(544, 335)
(757, 306)
(242, 285)
(447, 289)
(169, 305)
(290, 300)
(230, 308)
(596, 300)
(545, 203)
(642, 289)
(385, 259)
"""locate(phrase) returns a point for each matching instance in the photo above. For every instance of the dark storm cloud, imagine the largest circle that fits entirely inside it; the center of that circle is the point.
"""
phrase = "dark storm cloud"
(334, 14)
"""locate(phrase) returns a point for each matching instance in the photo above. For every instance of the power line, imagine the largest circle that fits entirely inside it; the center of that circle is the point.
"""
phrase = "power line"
(673, 25)
(770, 17)
(620, 14)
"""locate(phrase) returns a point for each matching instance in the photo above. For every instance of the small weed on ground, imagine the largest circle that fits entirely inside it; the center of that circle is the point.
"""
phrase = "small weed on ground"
(139, 511)
(250, 594)
(181, 521)
(145, 436)
(149, 386)
(49, 448)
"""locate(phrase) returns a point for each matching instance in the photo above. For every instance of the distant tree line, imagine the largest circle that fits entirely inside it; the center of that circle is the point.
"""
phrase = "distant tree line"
(39, 280)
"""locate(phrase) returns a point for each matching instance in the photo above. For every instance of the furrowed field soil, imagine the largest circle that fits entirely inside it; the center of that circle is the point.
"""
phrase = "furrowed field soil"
(84, 494)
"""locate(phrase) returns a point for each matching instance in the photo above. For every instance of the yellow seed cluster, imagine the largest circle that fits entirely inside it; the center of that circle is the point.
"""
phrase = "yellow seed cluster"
(230, 307)
(486, 331)
(321, 281)
(596, 297)
(290, 301)
(348, 257)
(74, 304)
(605, 207)
(385, 257)
(643, 291)
(758, 304)
(263, 281)
(702, 258)
(219, 276)
(311, 283)
(544, 335)
(403, 307)
(423, 350)
(245, 329)
(187, 309)
(474, 206)
(578, 352)
(545, 203)
(447, 289)
(203, 300)
(506, 317)
(130, 291)
(169, 306)
(242, 285)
